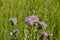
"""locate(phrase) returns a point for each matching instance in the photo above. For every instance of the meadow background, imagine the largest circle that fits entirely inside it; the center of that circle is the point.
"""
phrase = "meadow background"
(47, 11)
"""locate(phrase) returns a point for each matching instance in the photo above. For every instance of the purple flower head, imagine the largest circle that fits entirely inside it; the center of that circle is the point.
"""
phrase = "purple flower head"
(43, 25)
(31, 20)
(44, 34)
(13, 21)
(28, 21)
(34, 18)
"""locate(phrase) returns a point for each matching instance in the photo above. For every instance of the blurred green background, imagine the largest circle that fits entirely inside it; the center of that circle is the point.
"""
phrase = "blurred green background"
(47, 11)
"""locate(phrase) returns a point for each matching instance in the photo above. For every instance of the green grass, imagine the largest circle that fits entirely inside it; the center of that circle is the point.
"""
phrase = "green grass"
(47, 11)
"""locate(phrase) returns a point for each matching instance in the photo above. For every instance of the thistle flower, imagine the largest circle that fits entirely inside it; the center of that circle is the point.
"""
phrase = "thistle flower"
(31, 20)
(13, 21)
(42, 25)
(44, 34)
(15, 32)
